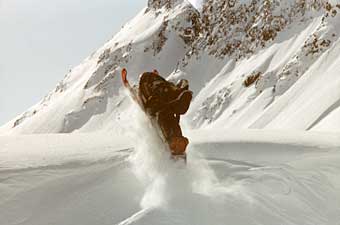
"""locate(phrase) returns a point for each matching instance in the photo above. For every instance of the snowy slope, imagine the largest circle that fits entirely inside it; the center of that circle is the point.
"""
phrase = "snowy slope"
(251, 64)
(262, 178)
(232, 177)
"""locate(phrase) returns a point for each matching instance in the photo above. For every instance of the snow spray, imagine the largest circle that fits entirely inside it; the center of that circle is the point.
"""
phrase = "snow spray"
(164, 178)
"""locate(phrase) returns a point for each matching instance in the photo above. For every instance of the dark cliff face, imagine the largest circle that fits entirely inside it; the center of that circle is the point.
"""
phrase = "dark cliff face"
(156, 4)
(238, 28)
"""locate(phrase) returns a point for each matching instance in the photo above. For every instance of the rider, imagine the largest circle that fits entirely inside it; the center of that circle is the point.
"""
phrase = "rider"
(166, 102)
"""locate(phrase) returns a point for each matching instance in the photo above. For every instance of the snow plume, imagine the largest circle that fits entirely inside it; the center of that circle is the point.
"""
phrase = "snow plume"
(165, 179)
(154, 167)
(150, 160)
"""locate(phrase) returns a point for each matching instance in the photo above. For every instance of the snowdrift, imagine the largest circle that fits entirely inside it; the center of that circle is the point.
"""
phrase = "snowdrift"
(282, 178)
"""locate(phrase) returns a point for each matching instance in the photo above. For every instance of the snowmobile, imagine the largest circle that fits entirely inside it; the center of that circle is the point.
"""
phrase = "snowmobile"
(163, 103)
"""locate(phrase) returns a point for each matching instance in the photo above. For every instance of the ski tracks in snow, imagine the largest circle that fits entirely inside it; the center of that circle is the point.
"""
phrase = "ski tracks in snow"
(225, 181)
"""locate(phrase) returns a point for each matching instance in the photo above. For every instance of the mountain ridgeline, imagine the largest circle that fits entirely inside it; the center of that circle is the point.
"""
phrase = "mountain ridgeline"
(264, 64)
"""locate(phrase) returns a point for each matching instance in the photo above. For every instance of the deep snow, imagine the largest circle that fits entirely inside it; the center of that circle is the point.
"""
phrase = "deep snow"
(232, 177)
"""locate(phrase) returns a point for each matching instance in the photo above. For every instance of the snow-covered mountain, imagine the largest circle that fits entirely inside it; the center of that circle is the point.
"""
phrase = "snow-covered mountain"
(251, 64)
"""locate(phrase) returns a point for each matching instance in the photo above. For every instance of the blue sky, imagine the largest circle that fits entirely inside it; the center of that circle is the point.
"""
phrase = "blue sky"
(41, 40)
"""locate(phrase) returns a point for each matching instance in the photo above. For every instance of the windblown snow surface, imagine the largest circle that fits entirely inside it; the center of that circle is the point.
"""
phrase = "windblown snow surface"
(264, 124)
(232, 177)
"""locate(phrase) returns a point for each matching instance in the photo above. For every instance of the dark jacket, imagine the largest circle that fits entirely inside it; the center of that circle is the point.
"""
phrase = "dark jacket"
(160, 95)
